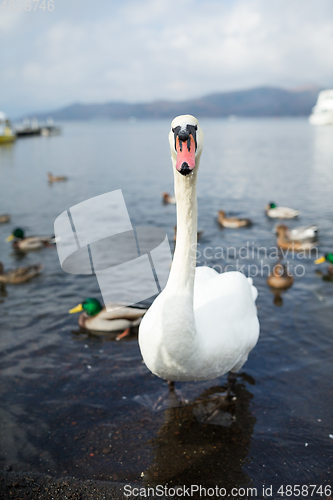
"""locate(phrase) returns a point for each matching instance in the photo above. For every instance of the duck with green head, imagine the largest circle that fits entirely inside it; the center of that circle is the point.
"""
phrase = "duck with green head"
(29, 243)
(116, 317)
(275, 212)
(328, 257)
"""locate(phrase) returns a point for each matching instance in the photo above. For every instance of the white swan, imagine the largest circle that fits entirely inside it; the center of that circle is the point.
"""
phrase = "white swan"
(203, 324)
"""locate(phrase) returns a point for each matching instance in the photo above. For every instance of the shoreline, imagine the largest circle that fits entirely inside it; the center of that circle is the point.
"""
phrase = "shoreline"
(38, 486)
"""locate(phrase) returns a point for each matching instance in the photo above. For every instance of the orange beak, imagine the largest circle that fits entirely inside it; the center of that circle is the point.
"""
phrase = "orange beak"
(185, 154)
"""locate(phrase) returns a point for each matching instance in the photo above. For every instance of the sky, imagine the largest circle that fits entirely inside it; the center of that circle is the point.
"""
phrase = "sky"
(147, 50)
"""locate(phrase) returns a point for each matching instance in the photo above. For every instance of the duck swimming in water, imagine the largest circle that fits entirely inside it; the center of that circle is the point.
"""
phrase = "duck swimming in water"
(4, 218)
(98, 320)
(284, 242)
(29, 243)
(20, 274)
(280, 277)
(56, 178)
(203, 324)
(232, 222)
(275, 212)
(328, 257)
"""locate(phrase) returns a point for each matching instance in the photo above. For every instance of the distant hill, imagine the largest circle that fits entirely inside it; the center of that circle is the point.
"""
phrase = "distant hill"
(257, 102)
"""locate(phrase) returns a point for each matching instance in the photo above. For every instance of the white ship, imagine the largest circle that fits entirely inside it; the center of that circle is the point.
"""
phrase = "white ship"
(322, 113)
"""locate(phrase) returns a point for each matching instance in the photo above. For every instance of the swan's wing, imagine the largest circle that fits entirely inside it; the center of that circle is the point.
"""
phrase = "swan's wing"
(226, 327)
(226, 319)
(254, 291)
(149, 318)
(203, 274)
(209, 284)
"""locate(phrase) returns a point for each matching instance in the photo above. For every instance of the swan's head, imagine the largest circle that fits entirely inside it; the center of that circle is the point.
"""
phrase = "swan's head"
(186, 142)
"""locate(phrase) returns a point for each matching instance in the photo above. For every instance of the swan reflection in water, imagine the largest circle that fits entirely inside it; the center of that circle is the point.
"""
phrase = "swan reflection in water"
(205, 442)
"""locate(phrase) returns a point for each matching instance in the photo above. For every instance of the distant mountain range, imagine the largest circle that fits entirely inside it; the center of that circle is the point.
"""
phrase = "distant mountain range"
(257, 102)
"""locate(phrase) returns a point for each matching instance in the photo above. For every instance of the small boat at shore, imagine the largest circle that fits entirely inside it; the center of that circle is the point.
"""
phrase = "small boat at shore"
(31, 128)
(322, 113)
(7, 133)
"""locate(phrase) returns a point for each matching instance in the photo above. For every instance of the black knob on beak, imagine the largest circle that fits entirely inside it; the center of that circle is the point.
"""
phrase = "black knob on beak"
(183, 135)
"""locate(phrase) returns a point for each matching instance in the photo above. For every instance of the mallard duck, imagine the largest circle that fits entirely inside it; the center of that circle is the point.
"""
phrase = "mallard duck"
(19, 275)
(98, 320)
(286, 244)
(4, 218)
(232, 222)
(29, 243)
(328, 257)
(203, 324)
(280, 212)
(166, 198)
(56, 178)
(280, 277)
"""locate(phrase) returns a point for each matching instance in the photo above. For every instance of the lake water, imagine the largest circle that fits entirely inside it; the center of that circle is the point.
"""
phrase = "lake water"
(84, 406)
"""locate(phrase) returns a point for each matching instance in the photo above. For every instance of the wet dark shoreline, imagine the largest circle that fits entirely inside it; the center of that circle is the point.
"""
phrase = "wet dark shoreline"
(36, 486)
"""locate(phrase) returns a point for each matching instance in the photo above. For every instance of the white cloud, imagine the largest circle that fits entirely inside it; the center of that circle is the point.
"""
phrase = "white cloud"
(9, 21)
(152, 49)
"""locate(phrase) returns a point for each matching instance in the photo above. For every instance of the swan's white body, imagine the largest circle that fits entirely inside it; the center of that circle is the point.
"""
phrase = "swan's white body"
(203, 324)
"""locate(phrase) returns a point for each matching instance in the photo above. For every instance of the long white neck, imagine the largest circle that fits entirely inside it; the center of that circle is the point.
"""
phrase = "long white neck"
(168, 335)
(182, 272)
